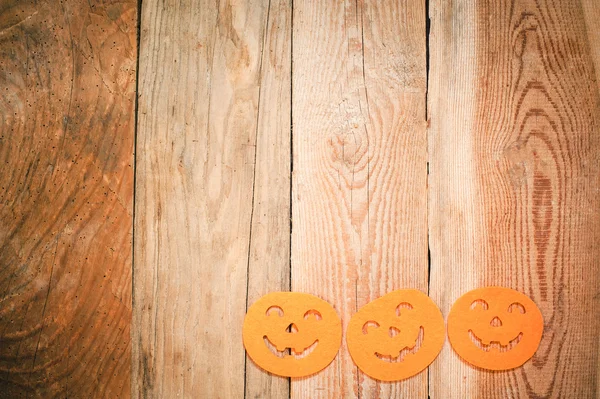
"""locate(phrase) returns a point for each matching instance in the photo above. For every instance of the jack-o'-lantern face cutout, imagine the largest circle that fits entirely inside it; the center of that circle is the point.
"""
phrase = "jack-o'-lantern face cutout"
(396, 336)
(495, 328)
(292, 334)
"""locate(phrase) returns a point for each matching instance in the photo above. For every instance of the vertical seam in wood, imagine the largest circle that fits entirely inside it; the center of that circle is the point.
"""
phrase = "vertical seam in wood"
(368, 182)
(134, 378)
(427, 65)
(260, 75)
(291, 3)
(427, 57)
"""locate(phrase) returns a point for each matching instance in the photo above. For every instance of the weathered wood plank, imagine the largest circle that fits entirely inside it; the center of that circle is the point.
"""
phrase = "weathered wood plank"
(359, 168)
(202, 113)
(269, 257)
(67, 83)
(514, 176)
(591, 10)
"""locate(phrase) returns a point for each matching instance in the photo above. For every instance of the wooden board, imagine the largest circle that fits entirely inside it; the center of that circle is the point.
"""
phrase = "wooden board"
(514, 178)
(229, 196)
(67, 84)
(359, 210)
(269, 256)
(213, 96)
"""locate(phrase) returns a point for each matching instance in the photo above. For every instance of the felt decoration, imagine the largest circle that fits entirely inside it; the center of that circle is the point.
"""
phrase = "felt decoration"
(495, 328)
(396, 336)
(292, 334)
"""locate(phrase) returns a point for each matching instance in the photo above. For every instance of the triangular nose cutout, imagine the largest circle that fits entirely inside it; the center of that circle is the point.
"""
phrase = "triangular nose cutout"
(496, 322)
(292, 328)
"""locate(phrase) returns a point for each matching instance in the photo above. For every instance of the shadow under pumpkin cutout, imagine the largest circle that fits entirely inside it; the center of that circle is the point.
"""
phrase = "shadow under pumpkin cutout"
(396, 336)
(495, 328)
(292, 334)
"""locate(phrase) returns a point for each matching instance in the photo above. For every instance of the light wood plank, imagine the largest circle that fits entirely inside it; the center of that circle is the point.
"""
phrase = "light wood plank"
(451, 200)
(269, 258)
(200, 94)
(67, 91)
(514, 161)
(359, 225)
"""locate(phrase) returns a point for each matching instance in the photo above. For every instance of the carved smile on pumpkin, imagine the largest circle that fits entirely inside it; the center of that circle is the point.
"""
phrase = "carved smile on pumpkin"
(495, 328)
(290, 351)
(500, 345)
(409, 350)
(494, 345)
(292, 334)
(386, 337)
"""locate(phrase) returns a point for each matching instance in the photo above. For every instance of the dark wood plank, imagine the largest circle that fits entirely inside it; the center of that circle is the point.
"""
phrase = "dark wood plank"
(67, 84)
(514, 182)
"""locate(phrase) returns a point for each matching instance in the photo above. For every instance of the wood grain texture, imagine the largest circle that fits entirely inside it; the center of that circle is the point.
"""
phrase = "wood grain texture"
(450, 181)
(203, 111)
(269, 256)
(67, 82)
(359, 168)
(591, 12)
(514, 182)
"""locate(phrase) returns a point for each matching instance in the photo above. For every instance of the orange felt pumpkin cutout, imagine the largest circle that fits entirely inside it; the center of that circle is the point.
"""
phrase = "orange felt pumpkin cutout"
(396, 336)
(292, 334)
(495, 328)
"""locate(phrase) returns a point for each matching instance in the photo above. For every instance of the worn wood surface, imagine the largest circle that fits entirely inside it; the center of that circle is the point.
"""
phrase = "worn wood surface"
(213, 97)
(284, 145)
(514, 159)
(359, 200)
(269, 256)
(67, 84)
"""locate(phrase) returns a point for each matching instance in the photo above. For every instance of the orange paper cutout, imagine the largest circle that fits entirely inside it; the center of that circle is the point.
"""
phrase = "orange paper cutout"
(495, 328)
(396, 336)
(292, 334)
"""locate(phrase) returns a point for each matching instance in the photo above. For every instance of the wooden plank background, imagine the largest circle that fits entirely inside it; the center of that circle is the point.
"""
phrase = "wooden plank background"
(67, 84)
(321, 147)
(359, 192)
(209, 211)
(514, 180)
